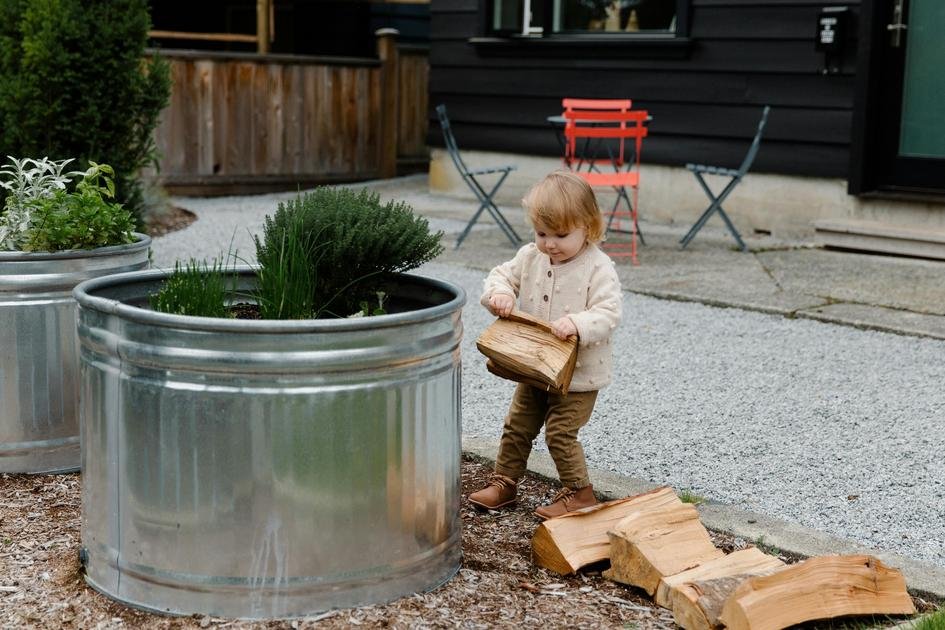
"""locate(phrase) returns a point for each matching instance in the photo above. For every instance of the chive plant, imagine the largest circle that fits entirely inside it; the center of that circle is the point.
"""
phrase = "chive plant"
(327, 253)
(195, 289)
(286, 279)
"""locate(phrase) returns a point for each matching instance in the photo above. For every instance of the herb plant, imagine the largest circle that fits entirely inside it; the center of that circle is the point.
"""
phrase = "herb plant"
(358, 242)
(196, 289)
(40, 214)
(27, 182)
(84, 219)
(286, 280)
(324, 254)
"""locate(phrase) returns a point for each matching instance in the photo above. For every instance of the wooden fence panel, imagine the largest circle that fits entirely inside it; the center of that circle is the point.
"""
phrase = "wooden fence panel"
(413, 79)
(242, 121)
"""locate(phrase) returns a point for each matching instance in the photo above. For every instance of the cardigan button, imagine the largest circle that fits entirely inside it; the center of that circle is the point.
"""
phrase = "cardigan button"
(545, 298)
(549, 273)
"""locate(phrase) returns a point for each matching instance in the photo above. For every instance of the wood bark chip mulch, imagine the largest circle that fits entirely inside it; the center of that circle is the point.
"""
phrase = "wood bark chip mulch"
(41, 585)
(171, 221)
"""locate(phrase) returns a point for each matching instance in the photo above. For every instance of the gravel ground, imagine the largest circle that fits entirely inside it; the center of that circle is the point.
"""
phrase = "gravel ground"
(831, 427)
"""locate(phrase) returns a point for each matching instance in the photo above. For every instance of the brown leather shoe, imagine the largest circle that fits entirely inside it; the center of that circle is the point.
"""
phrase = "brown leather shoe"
(567, 500)
(499, 493)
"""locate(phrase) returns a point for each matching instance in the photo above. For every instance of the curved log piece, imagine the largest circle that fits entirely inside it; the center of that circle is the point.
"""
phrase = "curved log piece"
(819, 588)
(649, 546)
(577, 539)
(522, 348)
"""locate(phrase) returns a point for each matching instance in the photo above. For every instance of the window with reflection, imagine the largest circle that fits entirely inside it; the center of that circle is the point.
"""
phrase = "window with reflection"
(549, 17)
(615, 16)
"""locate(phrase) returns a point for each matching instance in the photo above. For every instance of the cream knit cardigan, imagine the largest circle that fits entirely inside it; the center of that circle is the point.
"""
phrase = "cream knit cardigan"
(586, 289)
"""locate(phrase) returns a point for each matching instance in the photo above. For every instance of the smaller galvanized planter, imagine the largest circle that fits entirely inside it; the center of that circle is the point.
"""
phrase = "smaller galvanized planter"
(39, 369)
(263, 469)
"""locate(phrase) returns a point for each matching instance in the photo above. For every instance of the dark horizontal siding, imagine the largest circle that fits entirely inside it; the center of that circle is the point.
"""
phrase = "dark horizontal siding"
(705, 106)
(775, 156)
(645, 88)
(669, 119)
(453, 6)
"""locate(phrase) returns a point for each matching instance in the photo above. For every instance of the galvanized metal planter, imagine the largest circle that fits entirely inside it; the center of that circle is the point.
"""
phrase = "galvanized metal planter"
(39, 369)
(263, 469)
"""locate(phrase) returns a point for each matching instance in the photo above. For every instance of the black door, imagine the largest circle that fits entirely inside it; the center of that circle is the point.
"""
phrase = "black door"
(910, 127)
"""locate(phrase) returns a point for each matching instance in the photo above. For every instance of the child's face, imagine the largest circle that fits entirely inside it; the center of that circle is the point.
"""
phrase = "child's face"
(560, 246)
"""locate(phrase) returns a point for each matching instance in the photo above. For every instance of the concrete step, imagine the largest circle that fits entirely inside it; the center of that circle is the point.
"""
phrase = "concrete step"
(876, 236)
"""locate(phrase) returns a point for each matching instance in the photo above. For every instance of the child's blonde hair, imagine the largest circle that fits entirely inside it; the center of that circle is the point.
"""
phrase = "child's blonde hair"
(563, 201)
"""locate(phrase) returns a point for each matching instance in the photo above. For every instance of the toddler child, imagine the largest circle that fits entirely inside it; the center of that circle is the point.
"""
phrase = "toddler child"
(565, 279)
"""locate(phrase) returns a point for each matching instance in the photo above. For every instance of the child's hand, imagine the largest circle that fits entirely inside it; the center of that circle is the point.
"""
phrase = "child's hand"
(501, 304)
(563, 327)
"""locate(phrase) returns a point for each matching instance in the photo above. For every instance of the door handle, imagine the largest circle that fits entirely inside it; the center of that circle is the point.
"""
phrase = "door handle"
(898, 27)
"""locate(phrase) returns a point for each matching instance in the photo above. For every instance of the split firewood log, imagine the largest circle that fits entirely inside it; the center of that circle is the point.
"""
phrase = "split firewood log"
(647, 546)
(750, 561)
(577, 539)
(698, 607)
(819, 588)
(523, 348)
(696, 596)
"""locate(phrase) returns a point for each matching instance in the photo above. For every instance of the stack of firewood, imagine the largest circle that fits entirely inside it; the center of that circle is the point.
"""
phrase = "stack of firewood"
(656, 542)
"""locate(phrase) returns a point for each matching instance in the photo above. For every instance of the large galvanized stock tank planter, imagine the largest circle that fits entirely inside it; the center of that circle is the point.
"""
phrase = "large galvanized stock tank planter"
(262, 468)
(39, 368)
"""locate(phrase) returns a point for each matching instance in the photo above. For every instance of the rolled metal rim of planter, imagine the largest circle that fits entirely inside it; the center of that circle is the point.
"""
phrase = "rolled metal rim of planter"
(142, 241)
(39, 368)
(264, 469)
(83, 295)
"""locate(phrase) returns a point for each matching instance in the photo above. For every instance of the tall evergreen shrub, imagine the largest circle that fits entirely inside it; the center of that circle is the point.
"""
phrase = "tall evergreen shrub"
(74, 81)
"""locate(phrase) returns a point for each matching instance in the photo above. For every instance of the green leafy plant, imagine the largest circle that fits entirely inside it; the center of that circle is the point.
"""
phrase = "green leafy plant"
(368, 310)
(286, 278)
(40, 214)
(84, 219)
(766, 547)
(196, 289)
(686, 495)
(26, 182)
(933, 621)
(75, 81)
(325, 253)
(357, 242)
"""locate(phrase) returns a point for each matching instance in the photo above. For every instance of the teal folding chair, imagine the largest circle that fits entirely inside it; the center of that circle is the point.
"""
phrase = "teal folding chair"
(699, 170)
(469, 176)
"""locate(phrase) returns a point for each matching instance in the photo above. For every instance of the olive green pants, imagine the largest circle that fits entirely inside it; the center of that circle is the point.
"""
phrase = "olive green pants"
(562, 417)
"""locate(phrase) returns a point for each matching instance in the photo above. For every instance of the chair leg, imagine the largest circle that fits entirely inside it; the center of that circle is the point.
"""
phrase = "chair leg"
(486, 204)
(469, 225)
(698, 224)
(731, 228)
(622, 194)
(497, 215)
(714, 206)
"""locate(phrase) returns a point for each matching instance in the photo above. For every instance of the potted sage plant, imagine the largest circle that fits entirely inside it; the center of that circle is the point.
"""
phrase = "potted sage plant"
(281, 439)
(57, 228)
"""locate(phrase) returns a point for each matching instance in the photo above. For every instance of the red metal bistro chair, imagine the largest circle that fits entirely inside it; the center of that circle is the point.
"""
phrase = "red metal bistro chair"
(572, 159)
(616, 168)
